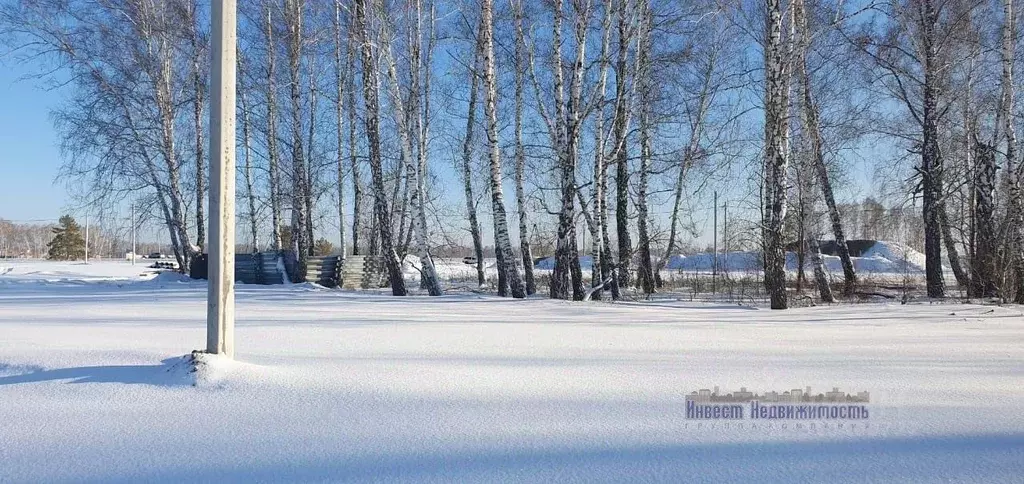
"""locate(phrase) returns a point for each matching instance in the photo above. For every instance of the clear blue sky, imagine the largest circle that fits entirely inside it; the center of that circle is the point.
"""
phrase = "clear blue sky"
(29, 152)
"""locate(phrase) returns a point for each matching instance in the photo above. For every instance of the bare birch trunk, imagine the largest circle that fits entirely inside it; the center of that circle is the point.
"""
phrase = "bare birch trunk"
(339, 122)
(812, 131)
(620, 129)
(983, 282)
(560, 283)
(198, 88)
(371, 88)
(1015, 207)
(689, 156)
(272, 155)
(931, 163)
(501, 238)
(250, 190)
(645, 272)
(414, 178)
(163, 87)
(952, 253)
(568, 120)
(519, 67)
(820, 276)
(775, 155)
(574, 121)
(294, 21)
(467, 169)
(357, 184)
(311, 176)
(599, 258)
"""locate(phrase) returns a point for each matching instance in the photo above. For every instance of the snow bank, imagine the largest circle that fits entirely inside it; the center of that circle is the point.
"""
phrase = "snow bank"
(901, 256)
(882, 258)
(26, 270)
(548, 263)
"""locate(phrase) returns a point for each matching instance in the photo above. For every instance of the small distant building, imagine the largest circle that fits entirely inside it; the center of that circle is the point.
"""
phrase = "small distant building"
(743, 394)
(835, 395)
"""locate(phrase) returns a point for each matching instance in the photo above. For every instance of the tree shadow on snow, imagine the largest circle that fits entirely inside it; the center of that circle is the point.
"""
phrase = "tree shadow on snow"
(970, 458)
(170, 372)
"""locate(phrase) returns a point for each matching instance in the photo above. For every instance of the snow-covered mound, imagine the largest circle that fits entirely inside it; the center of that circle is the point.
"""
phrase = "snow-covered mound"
(902, 256)
(882, 258)
(548, 263)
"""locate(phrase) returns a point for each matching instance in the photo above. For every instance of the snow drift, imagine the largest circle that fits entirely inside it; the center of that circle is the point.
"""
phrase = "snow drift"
(882, 258)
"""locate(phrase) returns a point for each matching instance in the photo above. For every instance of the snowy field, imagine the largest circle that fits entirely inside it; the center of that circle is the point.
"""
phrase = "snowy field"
(347, 386)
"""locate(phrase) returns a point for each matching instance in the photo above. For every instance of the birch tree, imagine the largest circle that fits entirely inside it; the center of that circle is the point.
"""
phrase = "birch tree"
(467, 162)
(519, 62)
(415, 183)
(353, 149)
(502, 245)
(339, 106)
(620, 131)
(371, 93)
(776, 154)
(293, 15)
(199, 90)
(250, 184)
(812, 133)
(600, 246)
(646, 99)
(271, 132)
(1015, 210)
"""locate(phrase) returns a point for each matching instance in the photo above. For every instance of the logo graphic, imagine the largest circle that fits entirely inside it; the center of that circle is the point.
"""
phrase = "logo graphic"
(796, 404)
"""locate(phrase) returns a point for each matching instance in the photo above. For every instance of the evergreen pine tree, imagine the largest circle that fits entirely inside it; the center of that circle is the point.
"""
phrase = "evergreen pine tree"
(67, 243)
(323, 247)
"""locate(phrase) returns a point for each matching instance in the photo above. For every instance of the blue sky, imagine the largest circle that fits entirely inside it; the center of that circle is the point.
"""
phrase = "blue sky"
(29, 152)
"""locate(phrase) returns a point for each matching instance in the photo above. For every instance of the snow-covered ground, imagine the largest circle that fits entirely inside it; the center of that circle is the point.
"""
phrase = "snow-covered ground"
(348, 386)
(33, 271)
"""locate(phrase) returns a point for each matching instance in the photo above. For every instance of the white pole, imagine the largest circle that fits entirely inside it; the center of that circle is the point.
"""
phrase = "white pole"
(725, 234)
(220, 300)
(87, 238)
(133, 233)
(714, 263)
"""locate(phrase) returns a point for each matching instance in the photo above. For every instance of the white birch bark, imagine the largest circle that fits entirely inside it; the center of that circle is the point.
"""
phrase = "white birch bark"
(519, 66)
(272, 150)
(776, 153)
(501, 238)
(371, 93)
(419, 218)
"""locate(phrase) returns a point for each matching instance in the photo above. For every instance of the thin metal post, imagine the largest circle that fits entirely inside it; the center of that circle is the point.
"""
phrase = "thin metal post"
(714, 267)
(220, 300)
(133, 233)
(725, 234)
(87, 238)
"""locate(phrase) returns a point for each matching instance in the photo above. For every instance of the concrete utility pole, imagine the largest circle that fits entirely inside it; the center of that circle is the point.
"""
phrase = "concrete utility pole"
(220, 300)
